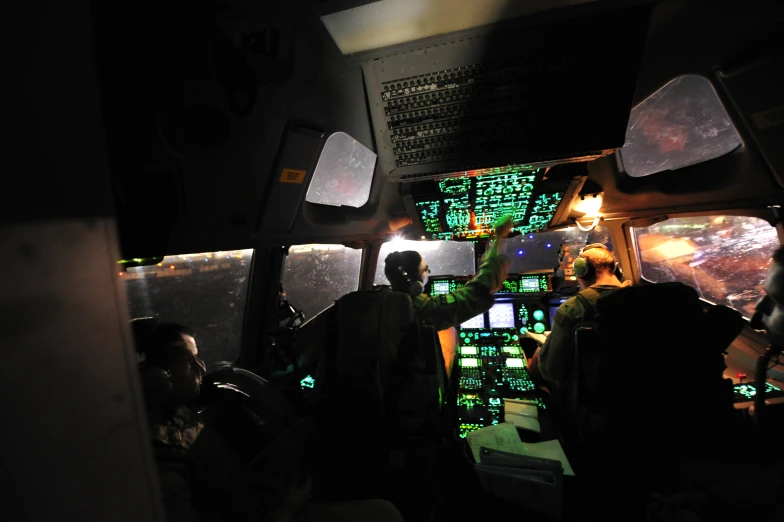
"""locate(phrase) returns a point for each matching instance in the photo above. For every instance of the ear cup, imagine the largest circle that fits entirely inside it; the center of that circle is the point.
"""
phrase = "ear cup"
(582, 268)
(618, 272)
(413, 287)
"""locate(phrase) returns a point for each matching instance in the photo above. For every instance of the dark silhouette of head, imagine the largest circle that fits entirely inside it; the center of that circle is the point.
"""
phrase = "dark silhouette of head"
(169, 362)
(404, 268)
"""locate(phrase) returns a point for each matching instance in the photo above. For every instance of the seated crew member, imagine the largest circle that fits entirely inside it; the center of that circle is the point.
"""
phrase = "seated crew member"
(202, 475)
(408, 272)
(595, 269)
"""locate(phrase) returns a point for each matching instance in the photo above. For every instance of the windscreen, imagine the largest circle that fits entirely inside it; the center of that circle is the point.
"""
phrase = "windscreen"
(443, 257)
(539, 251)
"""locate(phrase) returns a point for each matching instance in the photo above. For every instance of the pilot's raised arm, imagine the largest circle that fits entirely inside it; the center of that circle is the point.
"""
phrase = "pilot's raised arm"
(408, 272)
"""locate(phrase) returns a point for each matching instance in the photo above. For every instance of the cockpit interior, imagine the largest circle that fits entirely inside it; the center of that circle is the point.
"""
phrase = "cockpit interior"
(248, 169)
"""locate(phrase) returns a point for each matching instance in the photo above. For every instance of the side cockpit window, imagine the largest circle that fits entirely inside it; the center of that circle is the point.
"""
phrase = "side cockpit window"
(316, 275)
(344, 173)
(204, 291)
(681, 124)
(725, 258)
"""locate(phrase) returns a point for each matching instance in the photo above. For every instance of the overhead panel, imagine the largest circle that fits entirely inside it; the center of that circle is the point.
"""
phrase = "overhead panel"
(466, 207)
(534, 96)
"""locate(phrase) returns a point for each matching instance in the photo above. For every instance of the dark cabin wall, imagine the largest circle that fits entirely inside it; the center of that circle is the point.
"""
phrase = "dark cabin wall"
(705, 38)
(218, 194)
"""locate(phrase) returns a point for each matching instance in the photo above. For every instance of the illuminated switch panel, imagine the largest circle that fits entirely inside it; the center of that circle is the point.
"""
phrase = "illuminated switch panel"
(467, 207)
(469, 351)
(515, 375)
(470, 374)
(467, 427)
(488, 336)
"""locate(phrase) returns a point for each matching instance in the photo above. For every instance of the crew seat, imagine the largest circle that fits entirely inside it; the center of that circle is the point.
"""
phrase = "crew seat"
(649, 390)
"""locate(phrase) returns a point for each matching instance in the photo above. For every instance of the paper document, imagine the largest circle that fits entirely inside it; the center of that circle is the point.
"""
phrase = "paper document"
(504, 437)
(523, 422)
(520, 407)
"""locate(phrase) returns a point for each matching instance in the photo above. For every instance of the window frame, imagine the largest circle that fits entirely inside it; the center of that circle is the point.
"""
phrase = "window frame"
(726, 105)
(765, 214)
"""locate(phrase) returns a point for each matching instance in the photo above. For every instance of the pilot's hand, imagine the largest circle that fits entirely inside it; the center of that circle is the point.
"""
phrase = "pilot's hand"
(502, 227)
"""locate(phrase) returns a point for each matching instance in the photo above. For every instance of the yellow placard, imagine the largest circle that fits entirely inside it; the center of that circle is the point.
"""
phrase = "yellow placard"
(292, 176)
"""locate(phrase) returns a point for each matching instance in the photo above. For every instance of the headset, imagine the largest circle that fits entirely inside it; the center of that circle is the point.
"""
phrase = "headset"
(414, 287)
(584, 269)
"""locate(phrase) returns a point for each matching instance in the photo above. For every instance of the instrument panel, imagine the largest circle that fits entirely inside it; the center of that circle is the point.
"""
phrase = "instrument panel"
(491, 359)
(465, 208)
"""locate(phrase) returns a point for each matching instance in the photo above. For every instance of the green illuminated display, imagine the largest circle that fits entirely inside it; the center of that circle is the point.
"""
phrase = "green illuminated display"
(469, 362)
(515, 362)
(307, 382)
(468, 350)
(444, 286)
(466, 207)
(748, 390)
(522, 316)
(538, 315)
(539, 328)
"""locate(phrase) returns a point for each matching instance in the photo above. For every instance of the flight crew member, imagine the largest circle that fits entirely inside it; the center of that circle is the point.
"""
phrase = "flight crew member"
(408, 272)
(206, 476)
(596, 272)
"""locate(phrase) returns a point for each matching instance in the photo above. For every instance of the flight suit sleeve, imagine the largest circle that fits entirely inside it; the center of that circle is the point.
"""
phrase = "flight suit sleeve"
(556, 355)
(476, 297)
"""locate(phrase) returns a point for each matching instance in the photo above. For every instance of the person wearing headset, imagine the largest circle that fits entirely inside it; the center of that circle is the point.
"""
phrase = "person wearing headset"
(597, 273)
(408, 272)
(202, 474)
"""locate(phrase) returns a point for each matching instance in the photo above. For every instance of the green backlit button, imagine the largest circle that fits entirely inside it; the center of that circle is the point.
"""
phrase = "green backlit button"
(539, 328)
(462, 334)
(538, 315)
(515, 337)
(523, 330)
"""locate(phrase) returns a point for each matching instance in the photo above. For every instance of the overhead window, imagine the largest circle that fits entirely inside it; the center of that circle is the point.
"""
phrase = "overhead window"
(681, 124)
(344, 173)
(205, 292)
(443, 257)
(725, 258)
(315, 275)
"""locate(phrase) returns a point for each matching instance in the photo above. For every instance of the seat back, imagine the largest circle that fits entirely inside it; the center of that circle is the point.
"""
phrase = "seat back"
(380, 367)
(649, 364)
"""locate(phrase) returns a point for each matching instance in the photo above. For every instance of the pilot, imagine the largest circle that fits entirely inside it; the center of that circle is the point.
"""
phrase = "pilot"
(408, 272)
(202, 475)
(596, 272)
